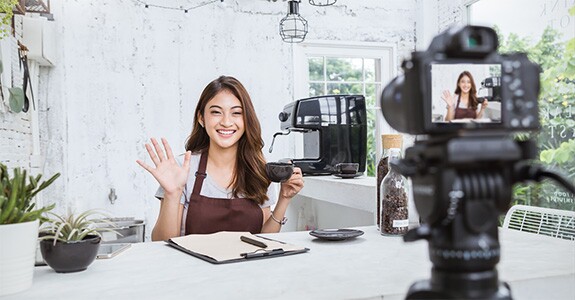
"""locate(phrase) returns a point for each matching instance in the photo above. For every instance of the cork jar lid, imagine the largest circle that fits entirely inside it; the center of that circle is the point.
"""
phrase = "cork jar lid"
(389, 141)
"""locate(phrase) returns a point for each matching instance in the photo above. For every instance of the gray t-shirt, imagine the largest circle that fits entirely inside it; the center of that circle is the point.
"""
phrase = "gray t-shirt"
(209, 188)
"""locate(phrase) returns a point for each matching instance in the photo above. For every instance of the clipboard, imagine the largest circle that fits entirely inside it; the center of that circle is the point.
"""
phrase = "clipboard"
(228, 247)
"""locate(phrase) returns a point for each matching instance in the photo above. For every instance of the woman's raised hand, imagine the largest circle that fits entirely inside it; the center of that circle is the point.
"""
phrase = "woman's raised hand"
(447, 97)
(169, 174)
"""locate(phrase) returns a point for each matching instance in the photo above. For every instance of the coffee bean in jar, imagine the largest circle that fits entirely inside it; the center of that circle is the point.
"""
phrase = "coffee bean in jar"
(394, 214)
(388, 141)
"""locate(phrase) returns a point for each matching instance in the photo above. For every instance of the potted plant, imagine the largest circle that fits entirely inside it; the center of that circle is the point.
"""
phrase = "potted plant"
(70, 243)
(19, 219)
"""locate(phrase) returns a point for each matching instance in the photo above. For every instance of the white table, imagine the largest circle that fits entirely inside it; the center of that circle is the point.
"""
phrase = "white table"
(371, 266)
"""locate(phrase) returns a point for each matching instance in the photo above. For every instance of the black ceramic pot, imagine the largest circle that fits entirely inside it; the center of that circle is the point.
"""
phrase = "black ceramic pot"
(71, 256)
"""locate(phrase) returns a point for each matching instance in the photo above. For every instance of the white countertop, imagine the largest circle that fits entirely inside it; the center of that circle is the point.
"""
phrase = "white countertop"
(358, 193)
(370, 266)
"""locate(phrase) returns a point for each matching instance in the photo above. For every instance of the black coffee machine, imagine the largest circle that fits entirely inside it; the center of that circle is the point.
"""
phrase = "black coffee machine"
(334, 129)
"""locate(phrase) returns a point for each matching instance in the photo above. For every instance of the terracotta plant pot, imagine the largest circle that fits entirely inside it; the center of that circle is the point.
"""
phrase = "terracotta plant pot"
(73, 256)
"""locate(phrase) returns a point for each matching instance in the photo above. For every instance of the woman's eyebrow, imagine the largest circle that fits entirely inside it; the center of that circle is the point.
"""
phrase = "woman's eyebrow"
(233, 107)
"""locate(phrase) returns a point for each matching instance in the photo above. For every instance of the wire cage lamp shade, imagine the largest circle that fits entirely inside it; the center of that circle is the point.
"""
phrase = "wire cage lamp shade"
(322, 2)
(293, 27)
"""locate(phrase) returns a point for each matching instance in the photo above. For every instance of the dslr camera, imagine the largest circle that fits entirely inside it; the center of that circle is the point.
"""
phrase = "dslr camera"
(462, 171)
(410, 102)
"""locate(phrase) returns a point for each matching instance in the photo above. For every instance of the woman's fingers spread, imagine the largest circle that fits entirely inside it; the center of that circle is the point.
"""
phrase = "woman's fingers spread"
(144, 165)
(152, 154)
(169, 154)
(186, 164)
(158, 149)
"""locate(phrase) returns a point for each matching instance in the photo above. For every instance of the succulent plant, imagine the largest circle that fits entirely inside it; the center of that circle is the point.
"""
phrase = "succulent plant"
(17, 193)
(74, 227)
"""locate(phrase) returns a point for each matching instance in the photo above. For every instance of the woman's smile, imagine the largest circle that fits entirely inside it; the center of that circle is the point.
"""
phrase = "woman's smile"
(226, 132)
(224, 120)
(465, 84)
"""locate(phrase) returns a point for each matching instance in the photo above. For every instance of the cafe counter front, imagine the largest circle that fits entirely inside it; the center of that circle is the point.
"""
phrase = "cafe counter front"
(370, 266)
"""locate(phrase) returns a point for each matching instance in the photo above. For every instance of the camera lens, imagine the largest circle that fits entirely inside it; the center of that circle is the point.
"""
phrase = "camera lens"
(392, 106)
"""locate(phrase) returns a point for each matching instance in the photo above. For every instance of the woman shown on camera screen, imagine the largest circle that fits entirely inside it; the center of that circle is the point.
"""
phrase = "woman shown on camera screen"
(464, 103)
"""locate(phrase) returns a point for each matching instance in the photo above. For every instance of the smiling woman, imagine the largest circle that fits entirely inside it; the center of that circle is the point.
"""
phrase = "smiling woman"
(463, 104)
(222, 183)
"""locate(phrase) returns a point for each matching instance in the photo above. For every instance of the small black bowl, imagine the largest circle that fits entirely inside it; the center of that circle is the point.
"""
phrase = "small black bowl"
(72, 256)
(346, 168)
(279, 171)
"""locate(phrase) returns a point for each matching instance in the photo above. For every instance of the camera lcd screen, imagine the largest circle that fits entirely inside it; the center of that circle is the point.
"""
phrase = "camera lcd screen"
(466, 93)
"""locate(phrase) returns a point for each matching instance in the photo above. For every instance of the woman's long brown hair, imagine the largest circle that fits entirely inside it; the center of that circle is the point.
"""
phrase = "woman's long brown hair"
(250, 179)
(472, 92)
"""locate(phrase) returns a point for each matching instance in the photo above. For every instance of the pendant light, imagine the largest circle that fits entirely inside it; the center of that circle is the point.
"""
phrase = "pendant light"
(293, 28)
(322, 2)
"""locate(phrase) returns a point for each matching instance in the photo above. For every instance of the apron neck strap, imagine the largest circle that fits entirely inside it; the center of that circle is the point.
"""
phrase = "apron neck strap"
(201, 173)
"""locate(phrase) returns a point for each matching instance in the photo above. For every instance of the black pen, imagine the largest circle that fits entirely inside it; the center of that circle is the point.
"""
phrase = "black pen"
(253, 242)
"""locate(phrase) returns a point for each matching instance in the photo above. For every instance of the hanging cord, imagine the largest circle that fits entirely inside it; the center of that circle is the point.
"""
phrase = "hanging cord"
(538, 173)
(146, 5)
(22, 55)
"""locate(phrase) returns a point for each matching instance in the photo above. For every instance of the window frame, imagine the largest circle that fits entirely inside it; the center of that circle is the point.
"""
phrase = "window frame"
(386, 65)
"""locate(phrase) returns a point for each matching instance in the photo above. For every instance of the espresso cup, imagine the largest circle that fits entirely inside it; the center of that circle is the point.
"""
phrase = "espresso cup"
(346, 168)
(279, 171)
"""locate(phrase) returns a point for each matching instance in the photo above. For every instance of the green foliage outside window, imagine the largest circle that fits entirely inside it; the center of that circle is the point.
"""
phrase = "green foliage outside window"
(348, 76)
(556, 140)
(6, 14)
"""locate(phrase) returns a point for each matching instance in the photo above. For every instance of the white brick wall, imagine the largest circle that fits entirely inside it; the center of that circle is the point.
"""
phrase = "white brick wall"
(450, 12)
(15, 129)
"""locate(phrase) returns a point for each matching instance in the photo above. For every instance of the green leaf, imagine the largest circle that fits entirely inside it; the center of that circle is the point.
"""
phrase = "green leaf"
(72, 227)
(546, 156)
(16, 99)
(13, 196)
(16, 196)
(562, 156)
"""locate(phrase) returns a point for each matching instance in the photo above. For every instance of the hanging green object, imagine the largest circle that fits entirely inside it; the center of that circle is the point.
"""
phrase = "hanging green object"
(16, 99)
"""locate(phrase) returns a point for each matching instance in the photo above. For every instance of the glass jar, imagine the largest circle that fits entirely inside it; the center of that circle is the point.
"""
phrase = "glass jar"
(393, 207)
(388, 141)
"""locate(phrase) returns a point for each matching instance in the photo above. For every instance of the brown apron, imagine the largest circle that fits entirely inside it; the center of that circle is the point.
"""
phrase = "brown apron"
(462, 113)
(209, 215)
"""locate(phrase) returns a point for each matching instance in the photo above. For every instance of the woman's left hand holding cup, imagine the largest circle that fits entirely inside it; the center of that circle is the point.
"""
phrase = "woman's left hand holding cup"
(293, 185)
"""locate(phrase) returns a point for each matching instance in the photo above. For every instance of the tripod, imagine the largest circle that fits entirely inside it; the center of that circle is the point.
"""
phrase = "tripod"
(461, 185)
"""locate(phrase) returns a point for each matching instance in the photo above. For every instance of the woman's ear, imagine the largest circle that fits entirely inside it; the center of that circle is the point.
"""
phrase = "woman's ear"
(200, 120)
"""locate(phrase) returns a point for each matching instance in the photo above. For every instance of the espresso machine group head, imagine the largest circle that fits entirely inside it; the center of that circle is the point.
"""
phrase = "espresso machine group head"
(334, 129)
